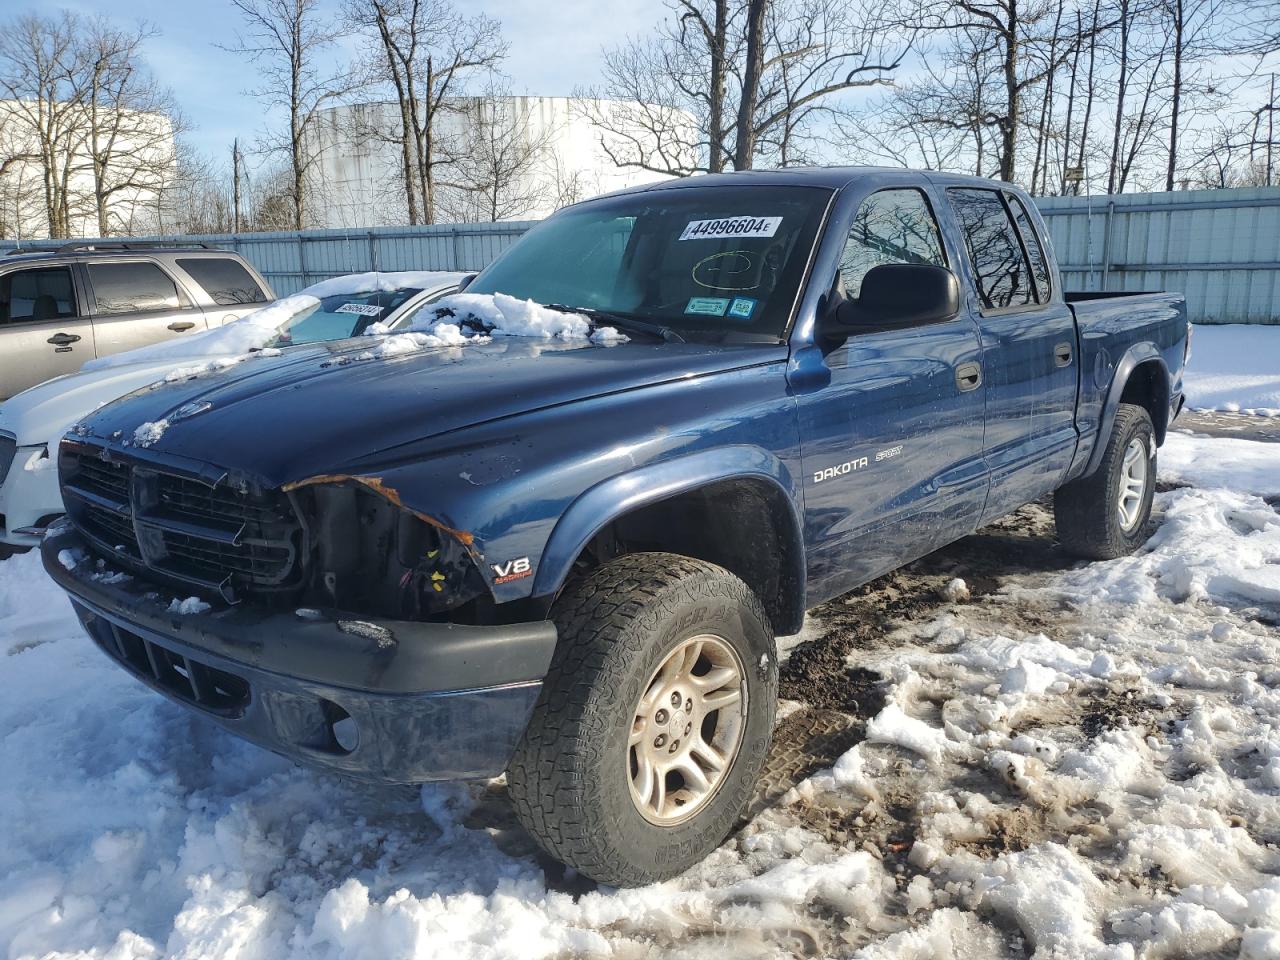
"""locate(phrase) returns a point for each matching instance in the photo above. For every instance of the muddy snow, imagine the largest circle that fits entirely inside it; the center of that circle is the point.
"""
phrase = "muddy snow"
(994, 753)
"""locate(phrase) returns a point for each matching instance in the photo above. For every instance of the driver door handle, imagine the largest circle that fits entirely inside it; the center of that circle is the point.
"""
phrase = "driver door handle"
(968, 376)
(1062, 354)
(179, 325)
(63, 339)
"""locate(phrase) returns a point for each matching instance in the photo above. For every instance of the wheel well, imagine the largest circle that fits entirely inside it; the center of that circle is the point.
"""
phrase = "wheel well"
(1148, 387)
(743, 525)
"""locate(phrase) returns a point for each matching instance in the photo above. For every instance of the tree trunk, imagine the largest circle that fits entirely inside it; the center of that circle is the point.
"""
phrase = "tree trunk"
(1009, 125)
(745, 142)
(716, 94)
(1088, 100)
(1121, 91)
(1175, 106)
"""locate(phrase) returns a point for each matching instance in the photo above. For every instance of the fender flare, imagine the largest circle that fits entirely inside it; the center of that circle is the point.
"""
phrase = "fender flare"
(1136, 355)
(623, 493)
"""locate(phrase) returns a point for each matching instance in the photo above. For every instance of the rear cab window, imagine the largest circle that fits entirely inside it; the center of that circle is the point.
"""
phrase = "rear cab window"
(225, 280)
(995, 250)
(132, 287)
(43, 293)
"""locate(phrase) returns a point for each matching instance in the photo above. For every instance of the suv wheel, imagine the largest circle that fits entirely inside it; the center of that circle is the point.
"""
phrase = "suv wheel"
(1104, 515)
(653, 721)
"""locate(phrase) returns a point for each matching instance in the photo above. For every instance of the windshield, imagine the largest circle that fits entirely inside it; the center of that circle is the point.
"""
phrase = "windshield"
(340, 316)
(694, 258)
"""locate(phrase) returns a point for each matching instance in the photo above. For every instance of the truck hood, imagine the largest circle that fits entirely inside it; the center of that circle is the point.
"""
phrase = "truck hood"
(45, 412)
(316, 410)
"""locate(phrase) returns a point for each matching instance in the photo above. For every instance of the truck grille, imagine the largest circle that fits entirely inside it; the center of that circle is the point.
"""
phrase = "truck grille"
(208, 535)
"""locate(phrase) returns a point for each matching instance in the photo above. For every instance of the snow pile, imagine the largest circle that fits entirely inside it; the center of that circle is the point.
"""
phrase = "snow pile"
(224, 345)
(150, 432)
(500, 315)
(1235, 367)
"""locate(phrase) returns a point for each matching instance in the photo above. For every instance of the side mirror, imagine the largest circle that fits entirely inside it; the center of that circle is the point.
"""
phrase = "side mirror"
(466, 281)
(895, 296)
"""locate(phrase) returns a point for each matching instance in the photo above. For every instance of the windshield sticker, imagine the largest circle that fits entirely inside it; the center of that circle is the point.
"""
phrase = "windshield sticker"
(363, 309)
(707, 306)
(731, 227)
(742, 307)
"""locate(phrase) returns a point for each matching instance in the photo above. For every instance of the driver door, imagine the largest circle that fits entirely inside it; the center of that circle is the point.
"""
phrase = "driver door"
(893, 444)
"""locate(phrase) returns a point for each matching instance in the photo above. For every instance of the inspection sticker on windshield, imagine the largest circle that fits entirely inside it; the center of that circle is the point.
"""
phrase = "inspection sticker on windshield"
(731, 227)
(709, 306)
(363, 309)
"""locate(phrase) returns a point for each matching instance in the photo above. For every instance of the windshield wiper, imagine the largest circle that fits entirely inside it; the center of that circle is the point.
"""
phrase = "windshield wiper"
(625, 321)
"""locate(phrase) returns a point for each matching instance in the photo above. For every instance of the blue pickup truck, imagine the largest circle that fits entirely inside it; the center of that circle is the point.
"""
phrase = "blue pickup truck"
(568, 559)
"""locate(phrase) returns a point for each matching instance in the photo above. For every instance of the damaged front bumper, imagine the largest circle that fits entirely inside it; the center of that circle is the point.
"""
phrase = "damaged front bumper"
(381, 700)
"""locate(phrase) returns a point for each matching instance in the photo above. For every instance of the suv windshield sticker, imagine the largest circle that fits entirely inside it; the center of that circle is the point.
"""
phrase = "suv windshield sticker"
(708, 306)
(731, 227)
(363, 309)
(742, 307)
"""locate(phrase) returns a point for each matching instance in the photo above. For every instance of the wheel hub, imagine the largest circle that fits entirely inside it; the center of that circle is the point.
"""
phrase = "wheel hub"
(686, 730)
(1134, 473)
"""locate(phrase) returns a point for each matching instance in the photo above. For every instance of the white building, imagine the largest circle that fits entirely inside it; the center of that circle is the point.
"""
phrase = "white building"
(509, 158)
(138, 165)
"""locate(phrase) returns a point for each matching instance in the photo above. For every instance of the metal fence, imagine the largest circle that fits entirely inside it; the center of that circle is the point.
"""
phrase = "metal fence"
(1219, 247)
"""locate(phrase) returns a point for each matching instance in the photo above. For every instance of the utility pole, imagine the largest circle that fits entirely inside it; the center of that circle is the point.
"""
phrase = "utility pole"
(235, 185)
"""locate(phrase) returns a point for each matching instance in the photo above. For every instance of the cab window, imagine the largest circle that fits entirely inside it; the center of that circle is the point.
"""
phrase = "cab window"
(995, 252)
(892, 226)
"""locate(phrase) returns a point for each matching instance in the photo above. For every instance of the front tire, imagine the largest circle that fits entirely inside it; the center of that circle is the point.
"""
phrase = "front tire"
(613, 777)
(1104, 515)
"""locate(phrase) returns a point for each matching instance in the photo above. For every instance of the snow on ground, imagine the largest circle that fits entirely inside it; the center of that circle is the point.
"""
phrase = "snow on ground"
(1077, 761)
(1235, 367)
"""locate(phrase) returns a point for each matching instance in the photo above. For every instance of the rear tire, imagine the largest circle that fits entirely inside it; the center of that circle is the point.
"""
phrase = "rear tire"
(612, 777)
(1105, 515)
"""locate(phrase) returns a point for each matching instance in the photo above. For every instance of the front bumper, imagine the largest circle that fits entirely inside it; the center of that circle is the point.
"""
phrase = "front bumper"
(379, 700)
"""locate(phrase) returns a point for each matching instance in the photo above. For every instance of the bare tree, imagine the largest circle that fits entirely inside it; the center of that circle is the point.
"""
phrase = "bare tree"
(131, 122)
(497, 176)
(41, 74)
(291, 42)
(427, 53)
(738, 80)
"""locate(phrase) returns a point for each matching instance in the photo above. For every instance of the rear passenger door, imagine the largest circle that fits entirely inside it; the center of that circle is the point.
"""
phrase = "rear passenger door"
(136, 302)
(1028, 349)
(893, 444)
(43, 330)
(226, 282)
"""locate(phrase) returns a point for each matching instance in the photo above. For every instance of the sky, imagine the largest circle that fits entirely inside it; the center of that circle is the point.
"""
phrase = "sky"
(559, 49)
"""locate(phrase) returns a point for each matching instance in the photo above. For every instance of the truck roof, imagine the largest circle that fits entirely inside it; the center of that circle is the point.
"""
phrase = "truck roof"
(831, 177)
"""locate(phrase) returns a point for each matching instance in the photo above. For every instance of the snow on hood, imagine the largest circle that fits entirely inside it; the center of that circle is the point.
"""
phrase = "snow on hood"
(467, 318)
(231, 340)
